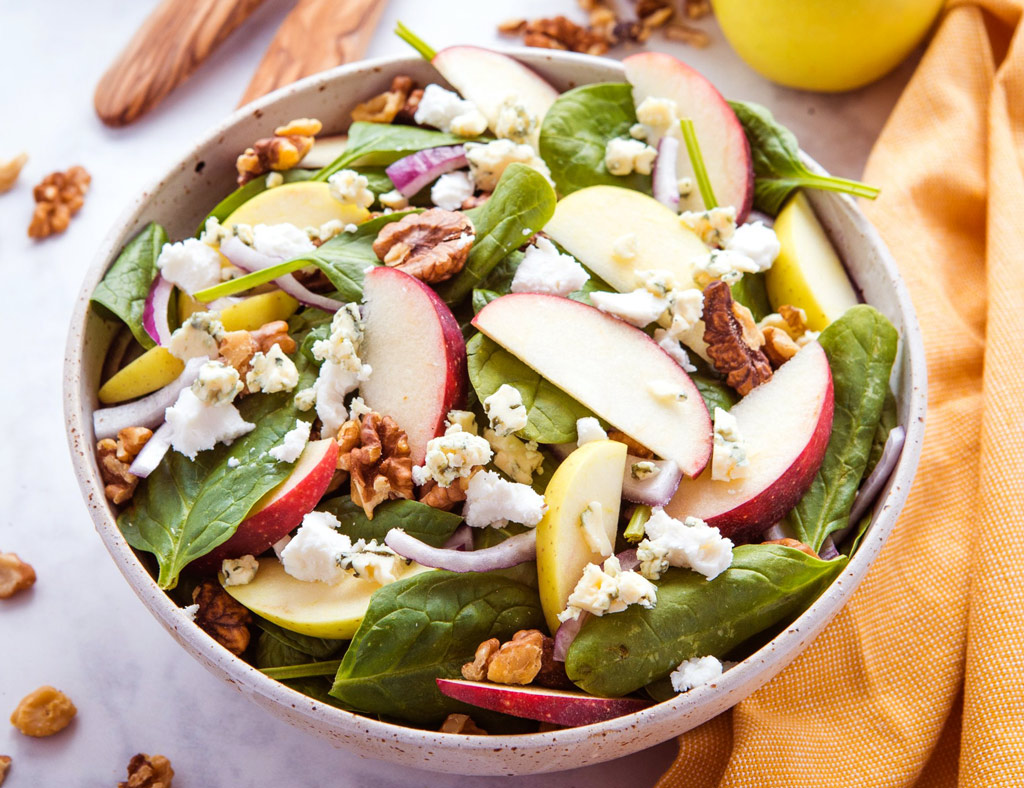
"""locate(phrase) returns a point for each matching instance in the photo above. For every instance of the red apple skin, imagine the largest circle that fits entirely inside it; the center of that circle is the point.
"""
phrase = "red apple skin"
(558, 707)
(278, 512)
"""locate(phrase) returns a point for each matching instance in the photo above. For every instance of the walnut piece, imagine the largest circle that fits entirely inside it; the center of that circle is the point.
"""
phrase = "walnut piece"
(380, 465)
(634, 448)
(221, 617)
(461, 723)
(477, 669)
(115, 457)
(10, 169)
(559, 32)
(15, 575)
(384, 107)
(59, 196)
(752, 336)
(519, 660)
(238, 347)
(552, 672)
(744, 367)
(444, 498)
(795, 543)
(44, 712)
(475, 200)
(686, 34)
(432, 246)
(5, 764)
(778, 346)
(148, 771)
(281, 152)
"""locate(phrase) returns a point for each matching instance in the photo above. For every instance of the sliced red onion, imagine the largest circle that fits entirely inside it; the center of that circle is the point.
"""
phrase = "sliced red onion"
(872, 486)
(413, 172)
(154, 314)
(775, 532)
(628, 560)
(665, 181)
(828, 550)
(305, 296)
(145, 412)
(462, 539)
(656, 490)
(515, 550)
(566, 634)
(152, 453)
(249, 260)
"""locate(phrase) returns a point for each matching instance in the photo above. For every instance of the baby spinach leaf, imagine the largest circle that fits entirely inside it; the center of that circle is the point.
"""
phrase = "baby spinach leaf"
(752, 293)
(861, 348)
(551, 413)
(126, 284)
(522, 203)
(576, 130)
(307, 646)
(379, 144)
(500, 278)
(886, 423)
(417, 519)
(242, 194)
(714, 390)
(185, 508)
(313, 678)
(777, 166)
(482, 298)
(619, 653)
(426, 627)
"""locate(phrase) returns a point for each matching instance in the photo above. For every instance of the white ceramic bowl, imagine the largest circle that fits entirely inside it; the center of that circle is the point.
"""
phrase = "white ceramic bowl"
(182, 198)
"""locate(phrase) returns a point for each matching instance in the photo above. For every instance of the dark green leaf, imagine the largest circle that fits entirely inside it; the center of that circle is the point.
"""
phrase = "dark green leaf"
(306, 645)
(126, 284)
(243, 194)
(752, 293)
(378, 144)
(426, 523)
(500, 278)
(714, 390)
(695, 617)
(886, 423)
(482, 298)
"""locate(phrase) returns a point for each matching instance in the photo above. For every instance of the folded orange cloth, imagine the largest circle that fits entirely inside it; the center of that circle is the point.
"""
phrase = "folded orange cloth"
(918, 681)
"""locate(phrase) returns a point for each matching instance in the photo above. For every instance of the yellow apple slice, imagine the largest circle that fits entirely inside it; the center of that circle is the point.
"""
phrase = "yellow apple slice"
(808, 273)
(591, 224)
(304, 204)
(310, 608)
(591, 473)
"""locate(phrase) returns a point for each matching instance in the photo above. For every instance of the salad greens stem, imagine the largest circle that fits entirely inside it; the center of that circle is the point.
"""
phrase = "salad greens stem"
(255, 279)
(426, 51)
(697, 161)
(635, 527)
(309, 670)
(831, 183)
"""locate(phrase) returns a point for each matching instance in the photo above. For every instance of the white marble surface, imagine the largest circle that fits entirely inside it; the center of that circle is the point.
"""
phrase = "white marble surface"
(81, 628)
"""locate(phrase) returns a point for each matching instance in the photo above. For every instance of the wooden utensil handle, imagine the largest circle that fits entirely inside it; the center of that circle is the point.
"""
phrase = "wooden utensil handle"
(163, 53)
(316, 35)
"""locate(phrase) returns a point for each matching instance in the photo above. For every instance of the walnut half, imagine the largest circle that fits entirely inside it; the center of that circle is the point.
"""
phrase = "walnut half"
(59, 196)
(432, 246)
(378, 459)
(148, 771)
(221, 617)
(729, 345)
(281, 152)
(15, 575)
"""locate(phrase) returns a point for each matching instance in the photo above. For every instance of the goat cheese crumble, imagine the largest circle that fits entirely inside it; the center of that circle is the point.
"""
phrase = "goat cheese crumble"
(271, 372)
(351, 188)
(196, 426)
(493, 501)
(608, 589)
(694, 672)
(452, 456)
(451, 190)
(488, 161)
(394, 200)
(756, 241)
(239, 571)
(623, 156)
(589, 429)
(544, 269)
(319, 552)
(639, 308)
(191, 264)
(291, 445)
(660, 115)
(198, 336)
(342, 370)
(283, 241)
(448, 111)
(729, 455)
(216, 383)
(505, 410)
(690, 544)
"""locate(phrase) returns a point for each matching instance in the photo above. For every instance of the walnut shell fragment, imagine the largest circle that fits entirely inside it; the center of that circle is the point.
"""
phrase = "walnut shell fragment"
(743, 366)
(432, 246)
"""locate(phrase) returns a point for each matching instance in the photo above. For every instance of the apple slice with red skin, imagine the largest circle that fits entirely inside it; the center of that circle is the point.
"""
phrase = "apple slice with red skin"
(785, 425)
(723, 144)
(559, 707)
(415, 347)
(281, 509)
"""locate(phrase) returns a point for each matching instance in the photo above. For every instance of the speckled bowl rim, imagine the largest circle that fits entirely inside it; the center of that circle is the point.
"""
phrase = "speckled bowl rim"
(520, 754)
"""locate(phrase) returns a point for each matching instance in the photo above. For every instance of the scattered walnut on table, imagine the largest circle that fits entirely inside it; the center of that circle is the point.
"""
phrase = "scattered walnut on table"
(148, 771)
(44, 712)
(10, 169)
(59, 196)
(432, 246)
(744, 367)
(380, 465)
(384, 107)
(794, 543)
(5, 765)
(461, 723)
(278, 153)
(477, 669)
(115, 459)
(221, 617)
(15, 575)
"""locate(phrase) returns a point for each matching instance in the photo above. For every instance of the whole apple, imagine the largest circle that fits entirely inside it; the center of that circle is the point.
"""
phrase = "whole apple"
(827, 45)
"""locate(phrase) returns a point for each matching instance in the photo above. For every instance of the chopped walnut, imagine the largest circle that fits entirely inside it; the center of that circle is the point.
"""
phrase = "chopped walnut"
(475, 201)
(444, 498)
(59, 196)
(384, 107)
(744, 367)
(512, 27)
(10, 169)
(221, 617)
(697, 9)
(752, 336)
(559, 32)
(477, 669)
(15, 575)
(5, 764)
(518, 661)
(790, 319)
(794, 543)
(278, 153)
(634, 448)
(461, 723)
(238, 347)
(778, 346)
(148, 771)
(432, 246)
(115, 458)
(380, 465)
(44, 712)
(686, 34)
(552, 672)
(408, 113)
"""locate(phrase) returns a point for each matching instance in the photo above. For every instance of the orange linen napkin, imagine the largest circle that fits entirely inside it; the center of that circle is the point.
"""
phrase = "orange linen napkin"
(920, 679)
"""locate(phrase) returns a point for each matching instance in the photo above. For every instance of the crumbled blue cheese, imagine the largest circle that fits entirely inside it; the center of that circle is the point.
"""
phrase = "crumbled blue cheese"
(198, 336)
(515, 122)
(624, 155)
(448, 111)
(346, 337)
(191, 264)
(197, 426)
(638, 131)
(645, 469)
(714, 227)
(723, 264)
(451, 190)
(217, 382)
(756, 241)
(394, 200)
(660, 115)
(686, 308)
(351, 188)
(342, 370)
(625, 247)
(292, 444)
(282, 241)
(729, 456)
(505, 410)
(239, 571)
(325, 231)
(452, 456)
(495, 502)
(685, 186)
(516, 458)
(190, 611)
(271, 372)
(608, 589)
(466, 419)
(639, 308)
(305, 398)
(671, 345)
(589, 429)
(690, 544)
(544, 269)
(319, 552)
(213, 232)
(592, 521)
(357, 408)
(694, 672)
(487, 161)
(274, 179)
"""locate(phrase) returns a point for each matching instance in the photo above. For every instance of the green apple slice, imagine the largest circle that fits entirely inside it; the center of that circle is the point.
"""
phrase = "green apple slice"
(304, 204)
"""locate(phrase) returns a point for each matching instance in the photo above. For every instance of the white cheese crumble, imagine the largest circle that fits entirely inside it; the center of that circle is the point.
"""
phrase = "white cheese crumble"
(544, 269)
(493, 501)
(487, 161)
(723, 264)
(394, 200)
(283, 241)
(608, 589)
(714, 227)
(239, 571)
(665, 391)
(318, 552)
(271, 372)
(357, 408)
(686, 308)
(452, 456)
(505, 410)
(190, 611)
(694, 672)
(690, 544)
(589, 429)
(305, 398)
(594, 532)
(685, 186)
(638, 131)
(217, 383)
(514, 121)
(197, 336)
(197, 426)
(326, 231)
(671, 345)
(234, 462)
(625, 248)
(191, 264)
(466, 419)
(342, 370)
(448, 111)
(639, 308)
(645, 469)
(516, 458)
(756, 241)
(351, 188)
(451, 190)
(661, 115)
(729, 456)
(274, 179)
(623, 156)
(213, 232)
(291, 445)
